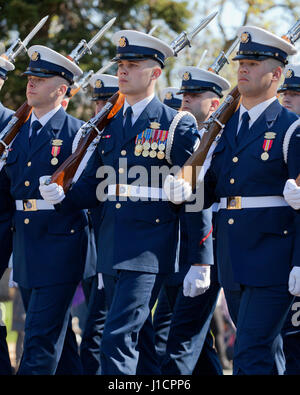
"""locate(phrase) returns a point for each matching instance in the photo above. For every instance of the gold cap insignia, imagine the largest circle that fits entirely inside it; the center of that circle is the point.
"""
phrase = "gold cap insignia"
(289, 73)
(35, 56)
(168, 96)
(98, 84)
(245, 37)
(186, 76)
(154, 125)
(57, 142)
(122, 42)
(270, 135)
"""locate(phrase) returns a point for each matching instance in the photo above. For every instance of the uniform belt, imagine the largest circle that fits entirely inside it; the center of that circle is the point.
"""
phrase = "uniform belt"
(136, 191)
(239, 202)
(33, 205)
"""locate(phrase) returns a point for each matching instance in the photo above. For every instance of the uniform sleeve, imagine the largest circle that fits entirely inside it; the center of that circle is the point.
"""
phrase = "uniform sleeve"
(83, 194)
(294, 170)
(200, 243)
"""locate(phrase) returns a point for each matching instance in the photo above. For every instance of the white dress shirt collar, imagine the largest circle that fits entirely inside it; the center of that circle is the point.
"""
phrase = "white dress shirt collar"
(256, 111)
(138, 107)
(45, 118)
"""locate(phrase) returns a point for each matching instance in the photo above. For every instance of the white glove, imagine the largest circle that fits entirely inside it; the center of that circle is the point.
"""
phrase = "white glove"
(294, 281)
(177, 191)
(291, 194)
(196, 281)
(100, 281)
(52, 193)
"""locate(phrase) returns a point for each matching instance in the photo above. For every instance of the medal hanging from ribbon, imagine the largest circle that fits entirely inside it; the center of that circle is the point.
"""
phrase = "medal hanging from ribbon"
(151, 142)
(56, 147)
(267, 145)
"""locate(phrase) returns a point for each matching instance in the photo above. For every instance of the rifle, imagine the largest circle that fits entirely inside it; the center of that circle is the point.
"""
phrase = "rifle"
(216, 122)
(64, 175)
(19, 45)
(23, 113)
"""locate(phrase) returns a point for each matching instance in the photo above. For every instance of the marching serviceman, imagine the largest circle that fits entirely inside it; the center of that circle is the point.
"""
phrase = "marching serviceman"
(6, 212)
(49, 248)
(103, 87)
(189, 335)
(290, 90)
(256, 229)
(138, 234)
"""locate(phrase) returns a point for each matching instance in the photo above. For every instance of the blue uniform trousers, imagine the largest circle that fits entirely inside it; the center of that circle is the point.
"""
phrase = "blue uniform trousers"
(128, 320)
(92, 334)
(196, 355)
(69, 363)
(189, 328)
(259, 314)
(47, 318)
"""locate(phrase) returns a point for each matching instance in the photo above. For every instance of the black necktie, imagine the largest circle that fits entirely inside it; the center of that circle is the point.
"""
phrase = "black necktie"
(36, 125)
(128, 124)
(244, 129)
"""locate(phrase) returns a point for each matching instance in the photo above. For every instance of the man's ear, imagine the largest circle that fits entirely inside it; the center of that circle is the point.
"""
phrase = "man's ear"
(277, 72)
(214, 104)
(156, 72)
(62, 89)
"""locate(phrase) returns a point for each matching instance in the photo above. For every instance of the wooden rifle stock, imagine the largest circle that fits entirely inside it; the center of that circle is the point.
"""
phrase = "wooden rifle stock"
(65, 173)
(12, 128)
(190, 170)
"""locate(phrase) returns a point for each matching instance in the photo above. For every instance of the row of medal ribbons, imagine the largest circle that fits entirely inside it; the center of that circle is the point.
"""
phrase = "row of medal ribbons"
(151, 142)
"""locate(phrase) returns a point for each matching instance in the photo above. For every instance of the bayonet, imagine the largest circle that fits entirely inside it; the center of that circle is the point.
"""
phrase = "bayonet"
(223, 57)
(83, 47)
(151, 31)
(106, 67)
(202, 58)
(14, 50)
(185, 38)
(82, 83)
(293, 34)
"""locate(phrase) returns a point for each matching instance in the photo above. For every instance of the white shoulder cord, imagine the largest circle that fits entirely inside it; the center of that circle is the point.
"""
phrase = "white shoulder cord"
(287, 137)
(171, 132)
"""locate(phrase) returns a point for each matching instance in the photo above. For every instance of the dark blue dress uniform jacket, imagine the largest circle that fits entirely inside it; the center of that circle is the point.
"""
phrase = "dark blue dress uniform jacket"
(6, 205)
(139, 235)
(256, 246)
(51, 248)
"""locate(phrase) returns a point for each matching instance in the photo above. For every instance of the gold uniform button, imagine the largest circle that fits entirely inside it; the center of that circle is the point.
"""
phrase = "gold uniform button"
(118, 205)
(28, 164)
(121, 170)
(72, 231)
(102, 152)
(26, 221)
(285, 232)
(232, 181)
(26, 183)
(235, 159)
(157, 220)
(123, 152)
(231, 221)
